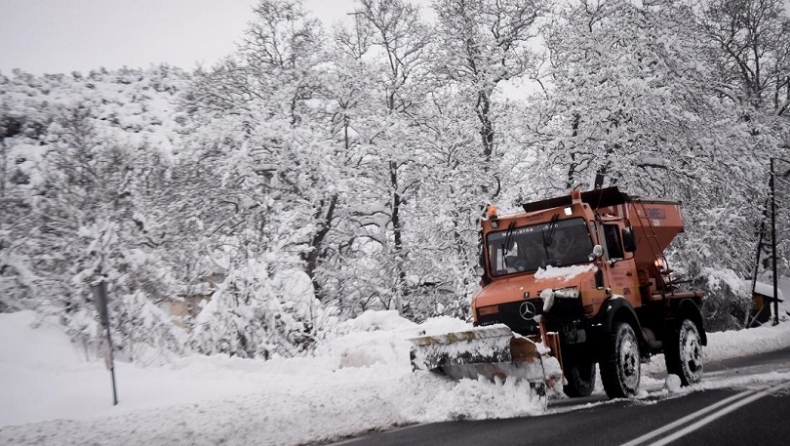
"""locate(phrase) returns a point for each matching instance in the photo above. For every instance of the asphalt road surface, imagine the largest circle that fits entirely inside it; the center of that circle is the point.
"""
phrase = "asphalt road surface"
(748, 414)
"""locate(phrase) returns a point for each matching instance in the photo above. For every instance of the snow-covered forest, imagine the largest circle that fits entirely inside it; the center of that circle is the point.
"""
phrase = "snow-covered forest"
(318, 172)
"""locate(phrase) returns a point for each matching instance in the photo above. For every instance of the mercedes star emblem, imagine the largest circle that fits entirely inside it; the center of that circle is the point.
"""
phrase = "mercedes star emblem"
(527, 311)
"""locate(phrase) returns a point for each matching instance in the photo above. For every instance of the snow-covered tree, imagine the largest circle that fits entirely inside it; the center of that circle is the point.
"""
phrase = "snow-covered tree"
(482, 44)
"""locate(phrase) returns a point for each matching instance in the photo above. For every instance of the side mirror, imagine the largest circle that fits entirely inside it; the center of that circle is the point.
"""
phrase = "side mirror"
(629, 240)
(597, 252)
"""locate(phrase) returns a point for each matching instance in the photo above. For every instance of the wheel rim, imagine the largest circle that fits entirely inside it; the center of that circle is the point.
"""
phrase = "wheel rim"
(629, 363)
(690, 350)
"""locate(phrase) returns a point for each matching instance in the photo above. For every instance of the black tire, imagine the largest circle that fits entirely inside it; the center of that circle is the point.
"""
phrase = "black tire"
(581, 379)
(621, 368)
(683, 352)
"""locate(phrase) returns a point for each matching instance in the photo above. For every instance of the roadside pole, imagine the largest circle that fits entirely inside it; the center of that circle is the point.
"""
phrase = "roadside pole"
(99, 289)
(773, 242)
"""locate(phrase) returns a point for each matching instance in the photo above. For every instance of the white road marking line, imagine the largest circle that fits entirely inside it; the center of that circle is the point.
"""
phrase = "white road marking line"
(687, 418)
(719, 414)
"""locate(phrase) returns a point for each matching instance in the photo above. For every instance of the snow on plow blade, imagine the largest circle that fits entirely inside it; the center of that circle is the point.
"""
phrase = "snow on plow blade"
(492, 352)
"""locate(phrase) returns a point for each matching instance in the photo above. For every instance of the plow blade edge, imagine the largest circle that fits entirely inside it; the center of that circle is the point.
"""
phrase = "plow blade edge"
(491, 352)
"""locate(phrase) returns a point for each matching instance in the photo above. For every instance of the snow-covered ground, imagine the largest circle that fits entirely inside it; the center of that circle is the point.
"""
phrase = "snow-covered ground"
(358, 381)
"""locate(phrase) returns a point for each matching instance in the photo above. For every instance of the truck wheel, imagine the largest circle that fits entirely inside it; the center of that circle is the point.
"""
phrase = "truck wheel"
(581, 379)
(620, 368)
(683, 353)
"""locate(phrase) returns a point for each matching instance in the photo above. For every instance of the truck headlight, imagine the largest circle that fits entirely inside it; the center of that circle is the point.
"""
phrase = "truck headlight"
(567, 293)
(548, 295)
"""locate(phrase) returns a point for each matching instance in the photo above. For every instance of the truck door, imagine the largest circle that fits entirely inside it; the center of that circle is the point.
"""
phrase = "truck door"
(620, 272)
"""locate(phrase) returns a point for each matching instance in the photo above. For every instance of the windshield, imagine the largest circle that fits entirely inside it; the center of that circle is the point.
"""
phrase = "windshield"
(557, 243)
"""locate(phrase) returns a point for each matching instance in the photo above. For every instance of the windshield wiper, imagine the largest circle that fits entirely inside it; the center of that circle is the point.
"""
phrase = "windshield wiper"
(508, 237)
(548, 236)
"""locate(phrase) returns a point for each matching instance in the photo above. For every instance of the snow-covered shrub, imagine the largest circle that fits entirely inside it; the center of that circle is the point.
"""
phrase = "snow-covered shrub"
(250, 316)
(17, 280)
(145, 331)
(141, 330)
(727, 297)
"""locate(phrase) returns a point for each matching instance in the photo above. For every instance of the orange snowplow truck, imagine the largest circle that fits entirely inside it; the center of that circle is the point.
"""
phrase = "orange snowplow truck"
(586, 275)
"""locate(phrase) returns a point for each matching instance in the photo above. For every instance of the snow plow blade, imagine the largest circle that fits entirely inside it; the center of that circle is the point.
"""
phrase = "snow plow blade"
(491, 352)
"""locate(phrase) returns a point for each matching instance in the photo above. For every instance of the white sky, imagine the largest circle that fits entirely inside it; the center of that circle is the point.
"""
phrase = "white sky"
(61, 36)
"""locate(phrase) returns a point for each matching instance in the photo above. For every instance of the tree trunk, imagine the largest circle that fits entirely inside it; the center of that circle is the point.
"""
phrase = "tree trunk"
(573, 164)
(314, 252)
(486, 126)
(400, 274)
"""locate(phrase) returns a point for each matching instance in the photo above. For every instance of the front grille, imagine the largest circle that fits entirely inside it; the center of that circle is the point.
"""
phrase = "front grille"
(510, 315)
(563, 311)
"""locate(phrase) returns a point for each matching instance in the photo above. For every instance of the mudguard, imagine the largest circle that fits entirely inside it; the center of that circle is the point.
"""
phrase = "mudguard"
(690, 309)
(617, 309)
